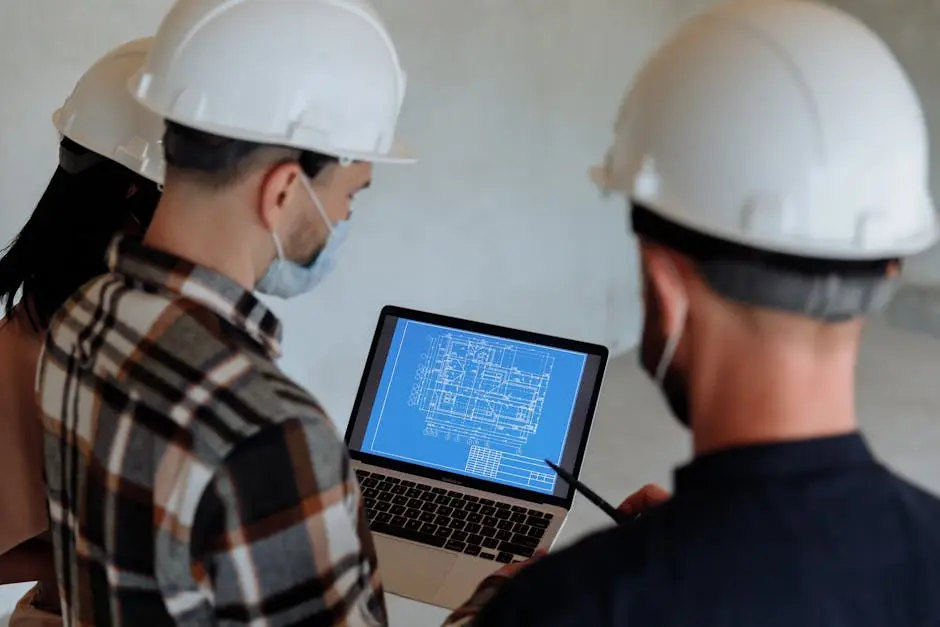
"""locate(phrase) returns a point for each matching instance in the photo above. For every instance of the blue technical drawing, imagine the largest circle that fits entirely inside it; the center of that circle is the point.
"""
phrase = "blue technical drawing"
(474, 404)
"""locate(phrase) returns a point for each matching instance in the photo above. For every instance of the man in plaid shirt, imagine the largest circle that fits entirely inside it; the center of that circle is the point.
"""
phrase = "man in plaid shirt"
(190, 482)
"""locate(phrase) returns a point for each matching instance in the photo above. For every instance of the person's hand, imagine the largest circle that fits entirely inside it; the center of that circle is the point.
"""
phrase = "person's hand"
(647, 497)
(510, 570)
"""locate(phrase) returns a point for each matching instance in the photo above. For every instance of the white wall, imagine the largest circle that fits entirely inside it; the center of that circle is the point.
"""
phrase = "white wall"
(509, 103)
(912, 30)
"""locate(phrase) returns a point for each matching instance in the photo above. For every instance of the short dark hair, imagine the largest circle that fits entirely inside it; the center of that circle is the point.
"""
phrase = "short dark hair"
(218, 162)
(64, 242)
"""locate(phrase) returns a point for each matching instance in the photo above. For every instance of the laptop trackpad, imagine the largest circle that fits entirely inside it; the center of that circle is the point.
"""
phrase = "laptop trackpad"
(412, 570)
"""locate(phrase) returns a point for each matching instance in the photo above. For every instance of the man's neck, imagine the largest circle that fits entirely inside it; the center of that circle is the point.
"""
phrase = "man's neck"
(766, 398)
(202, 234)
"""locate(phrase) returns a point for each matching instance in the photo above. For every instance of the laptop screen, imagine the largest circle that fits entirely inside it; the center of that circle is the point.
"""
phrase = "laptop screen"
(474, 404)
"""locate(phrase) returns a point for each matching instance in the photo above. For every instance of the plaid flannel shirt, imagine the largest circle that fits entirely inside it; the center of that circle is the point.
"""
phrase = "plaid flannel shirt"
(189, 481)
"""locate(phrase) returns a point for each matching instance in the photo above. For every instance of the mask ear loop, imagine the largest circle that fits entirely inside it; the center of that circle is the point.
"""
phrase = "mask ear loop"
(277, 246)
(160, 146)
(316, 201)
(675, 334)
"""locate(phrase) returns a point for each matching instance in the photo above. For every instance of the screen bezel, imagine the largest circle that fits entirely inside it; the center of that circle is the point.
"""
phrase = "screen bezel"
(392, 311)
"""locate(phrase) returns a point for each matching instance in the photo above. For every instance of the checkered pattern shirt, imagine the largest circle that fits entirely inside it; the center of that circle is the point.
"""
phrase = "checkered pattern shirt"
(189, 481)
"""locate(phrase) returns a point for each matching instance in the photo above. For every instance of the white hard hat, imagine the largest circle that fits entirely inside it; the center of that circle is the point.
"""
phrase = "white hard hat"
(318, 75)
(101, 116)
(783, 125)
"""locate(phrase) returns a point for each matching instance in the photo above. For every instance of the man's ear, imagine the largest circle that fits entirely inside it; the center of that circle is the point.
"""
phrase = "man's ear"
(278, 187)
(664, 276)
(894, 269)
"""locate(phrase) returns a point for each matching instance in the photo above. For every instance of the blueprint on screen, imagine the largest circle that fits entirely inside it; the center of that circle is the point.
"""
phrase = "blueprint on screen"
(488, 394)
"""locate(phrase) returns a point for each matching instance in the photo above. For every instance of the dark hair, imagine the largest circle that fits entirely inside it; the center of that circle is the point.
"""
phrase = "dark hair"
(89, 200)
(217, 162)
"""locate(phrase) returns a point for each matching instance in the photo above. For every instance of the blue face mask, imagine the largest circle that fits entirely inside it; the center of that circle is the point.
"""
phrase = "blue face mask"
(285, 278)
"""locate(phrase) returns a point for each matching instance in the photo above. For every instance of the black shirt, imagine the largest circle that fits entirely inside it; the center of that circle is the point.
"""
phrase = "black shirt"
(804, 534)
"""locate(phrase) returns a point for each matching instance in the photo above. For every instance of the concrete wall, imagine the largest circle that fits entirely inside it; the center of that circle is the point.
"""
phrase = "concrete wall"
(509, 104)
(911, 28)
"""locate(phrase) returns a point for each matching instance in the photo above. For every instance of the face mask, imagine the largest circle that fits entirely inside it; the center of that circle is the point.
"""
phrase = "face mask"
(671, 382)
(285, 278)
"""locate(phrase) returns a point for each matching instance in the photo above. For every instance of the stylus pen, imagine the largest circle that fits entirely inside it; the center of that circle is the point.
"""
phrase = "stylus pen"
(618, 516)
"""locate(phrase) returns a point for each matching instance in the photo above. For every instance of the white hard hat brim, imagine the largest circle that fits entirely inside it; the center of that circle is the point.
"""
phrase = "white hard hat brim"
(153, 174)
(400, 153)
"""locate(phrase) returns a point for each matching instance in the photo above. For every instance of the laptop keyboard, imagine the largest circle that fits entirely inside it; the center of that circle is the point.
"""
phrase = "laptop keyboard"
(451, 520)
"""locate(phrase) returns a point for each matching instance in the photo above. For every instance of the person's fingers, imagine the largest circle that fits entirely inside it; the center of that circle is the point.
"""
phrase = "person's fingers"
(510, 570)
(643, 499)
(654, 495)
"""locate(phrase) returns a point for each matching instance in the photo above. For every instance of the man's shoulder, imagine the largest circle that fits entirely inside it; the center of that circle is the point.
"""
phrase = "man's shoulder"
(246, 396)
(290, 409)
(918, 503)
(111, 309)
(613, 554)
(185, 362)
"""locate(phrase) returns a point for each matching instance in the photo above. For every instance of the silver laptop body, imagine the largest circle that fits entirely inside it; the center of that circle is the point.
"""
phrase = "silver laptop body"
(448, 436)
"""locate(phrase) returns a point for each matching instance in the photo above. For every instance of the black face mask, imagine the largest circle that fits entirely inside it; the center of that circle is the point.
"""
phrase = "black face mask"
(674, 386)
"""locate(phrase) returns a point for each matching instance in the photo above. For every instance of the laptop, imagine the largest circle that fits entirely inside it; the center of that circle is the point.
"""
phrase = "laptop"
(448, 436)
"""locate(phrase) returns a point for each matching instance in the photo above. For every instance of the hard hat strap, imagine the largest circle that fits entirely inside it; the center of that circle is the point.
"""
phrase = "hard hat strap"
(75, 159)
(831, 290)
(830, 298)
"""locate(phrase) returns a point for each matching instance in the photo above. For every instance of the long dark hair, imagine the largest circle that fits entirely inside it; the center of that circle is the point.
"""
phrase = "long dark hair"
(88, 201)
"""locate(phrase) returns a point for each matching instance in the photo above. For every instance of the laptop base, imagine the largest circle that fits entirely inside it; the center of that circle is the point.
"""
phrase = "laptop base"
(429, 575)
